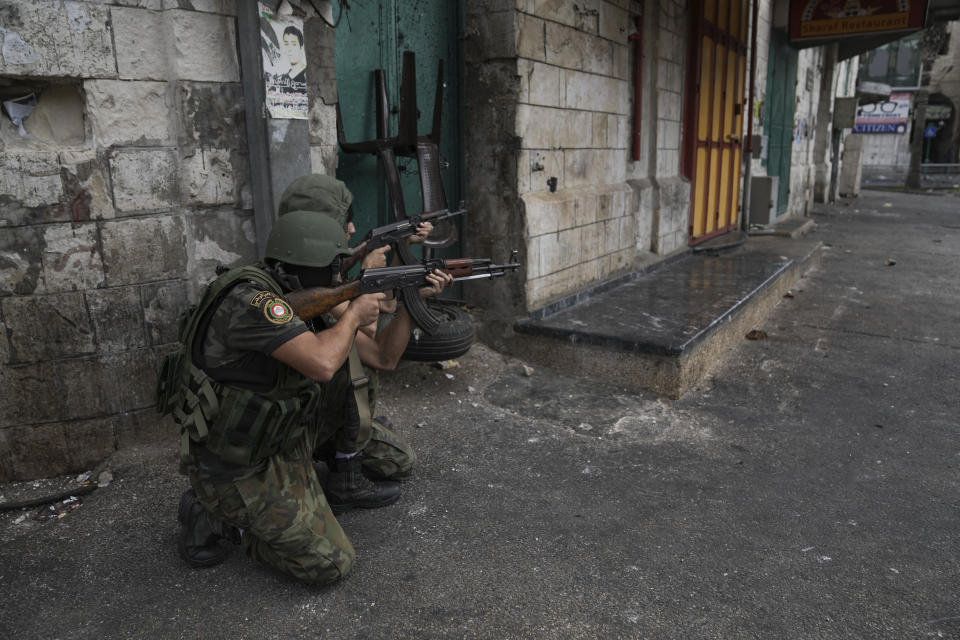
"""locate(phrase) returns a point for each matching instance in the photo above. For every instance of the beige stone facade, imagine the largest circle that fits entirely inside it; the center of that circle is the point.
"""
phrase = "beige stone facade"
(129, 187)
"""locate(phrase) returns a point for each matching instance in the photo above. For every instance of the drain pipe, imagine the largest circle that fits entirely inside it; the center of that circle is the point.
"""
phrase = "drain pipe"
(637, 86)
(748, 154)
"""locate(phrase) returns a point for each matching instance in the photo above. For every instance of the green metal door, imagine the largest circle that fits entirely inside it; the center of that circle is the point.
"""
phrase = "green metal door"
(374, 35)
(781, 94)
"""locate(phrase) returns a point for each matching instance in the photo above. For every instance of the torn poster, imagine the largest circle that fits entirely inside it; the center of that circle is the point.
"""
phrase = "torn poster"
(19, 109)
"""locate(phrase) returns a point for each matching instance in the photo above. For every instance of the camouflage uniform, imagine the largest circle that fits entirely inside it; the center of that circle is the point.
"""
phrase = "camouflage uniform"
(278, 502)
(385, 454)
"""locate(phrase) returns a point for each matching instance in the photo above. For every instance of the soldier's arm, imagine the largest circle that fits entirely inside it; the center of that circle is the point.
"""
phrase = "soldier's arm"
(319, 355)
(384, 351)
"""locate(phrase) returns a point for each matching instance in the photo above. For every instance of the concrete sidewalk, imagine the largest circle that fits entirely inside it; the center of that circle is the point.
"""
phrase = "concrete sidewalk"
(807, 488)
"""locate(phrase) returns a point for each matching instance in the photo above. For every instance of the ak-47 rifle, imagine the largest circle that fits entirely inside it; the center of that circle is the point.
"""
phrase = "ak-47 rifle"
(312, 302)
(396, 233)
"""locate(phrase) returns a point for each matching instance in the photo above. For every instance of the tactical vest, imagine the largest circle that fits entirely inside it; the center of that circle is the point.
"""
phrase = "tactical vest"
(249, 418)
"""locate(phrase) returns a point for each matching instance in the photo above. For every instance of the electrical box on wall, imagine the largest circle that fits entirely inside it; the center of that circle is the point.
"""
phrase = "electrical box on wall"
(763, 199)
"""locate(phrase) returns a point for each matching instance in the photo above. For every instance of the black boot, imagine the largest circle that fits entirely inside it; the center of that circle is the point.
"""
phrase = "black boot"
(347, 488)
(201, 533)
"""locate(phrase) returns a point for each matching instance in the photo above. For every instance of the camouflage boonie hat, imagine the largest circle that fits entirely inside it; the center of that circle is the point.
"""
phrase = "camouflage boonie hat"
(317, 193)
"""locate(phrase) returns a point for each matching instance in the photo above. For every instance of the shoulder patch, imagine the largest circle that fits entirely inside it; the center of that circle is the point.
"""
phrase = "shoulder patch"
(277, 310)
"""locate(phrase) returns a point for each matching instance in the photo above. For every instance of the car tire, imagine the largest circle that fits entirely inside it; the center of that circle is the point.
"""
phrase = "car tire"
(453, 337)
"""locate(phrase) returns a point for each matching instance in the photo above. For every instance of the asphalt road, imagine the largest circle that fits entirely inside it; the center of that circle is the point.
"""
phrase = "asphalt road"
(807, 488)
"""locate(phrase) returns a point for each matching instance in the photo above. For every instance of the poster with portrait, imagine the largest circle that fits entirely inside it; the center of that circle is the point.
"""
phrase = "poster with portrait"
(284, 64)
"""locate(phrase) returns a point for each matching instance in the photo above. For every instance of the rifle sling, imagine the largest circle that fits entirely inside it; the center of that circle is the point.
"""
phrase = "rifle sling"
(359, 382)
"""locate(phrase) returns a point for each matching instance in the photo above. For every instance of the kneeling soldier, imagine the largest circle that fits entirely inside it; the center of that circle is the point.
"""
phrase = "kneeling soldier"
(247, 387)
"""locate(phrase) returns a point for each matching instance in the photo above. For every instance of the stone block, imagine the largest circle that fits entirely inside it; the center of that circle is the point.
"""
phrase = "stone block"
(600, 123)
(585, 167)
(583, 16)
(669, 106)
(87, 195)
(549, 287)
(670, 75)
(566, 210)
(49, 326)
(143, 427)
(137, 371)
(56, 38)
(542, 213)
(587, 203)
(71, 257)
(212, 116)
(204, 46)
(614, 22)
(162, 304)
(568, 246)
(543, 166)
(537, 127)
(21, 262)
(144, 179)
(572, 49)
(143, 249)
(219, 237)
(540, 83)
(611, 235)
(117, 316)
(141, 38)
(628, 233)
(207, 178)
(591, 241)
(125, 112)
(622, 62)
(31, 179)
(667, 243)
(668, 163)
(618, 132)
(591, 92)
(23, 386)
(46, 450)
(575, 129)
(615, 263)
(587, 273)
(530, 37)
(550, 258)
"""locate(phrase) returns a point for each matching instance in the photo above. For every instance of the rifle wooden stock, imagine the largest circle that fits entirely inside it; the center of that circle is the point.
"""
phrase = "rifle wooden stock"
(315, 301)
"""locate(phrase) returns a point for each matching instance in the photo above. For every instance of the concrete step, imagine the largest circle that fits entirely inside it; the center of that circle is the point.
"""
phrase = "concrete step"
(662, 329)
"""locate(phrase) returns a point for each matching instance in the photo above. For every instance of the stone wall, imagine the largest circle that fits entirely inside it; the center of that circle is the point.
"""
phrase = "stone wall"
(591, 212)
(130, 187)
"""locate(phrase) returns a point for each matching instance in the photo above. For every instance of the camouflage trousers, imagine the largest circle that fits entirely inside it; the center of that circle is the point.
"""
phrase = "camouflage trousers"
(286, 521)
(385, 453)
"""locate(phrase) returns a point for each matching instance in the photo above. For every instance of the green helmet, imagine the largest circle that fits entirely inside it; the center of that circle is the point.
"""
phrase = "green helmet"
(306, 239)
(317, 192)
